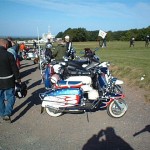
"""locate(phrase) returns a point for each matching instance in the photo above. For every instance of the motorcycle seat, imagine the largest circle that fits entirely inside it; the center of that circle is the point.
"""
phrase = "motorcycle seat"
(68, 84)
(92, 65)
(78, 72)
(79, 62)
(75, 65)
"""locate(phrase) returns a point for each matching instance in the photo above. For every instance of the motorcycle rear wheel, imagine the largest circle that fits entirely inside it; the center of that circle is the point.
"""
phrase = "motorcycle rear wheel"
(52, 113)
(114, 111)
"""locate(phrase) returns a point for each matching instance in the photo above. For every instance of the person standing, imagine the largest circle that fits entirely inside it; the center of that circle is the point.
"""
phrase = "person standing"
(59, 52)
(147, 41)
(22, 50)
(13, 50)
(8, 75)
(48, 53)
(69, 49)
(104, 43)
(9, 39)
(132, 41)
(34, 44)
(48, 42)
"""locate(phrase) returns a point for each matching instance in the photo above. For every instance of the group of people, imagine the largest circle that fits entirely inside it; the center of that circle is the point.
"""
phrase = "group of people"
(147, 39)
(9, 75)
(65, 49)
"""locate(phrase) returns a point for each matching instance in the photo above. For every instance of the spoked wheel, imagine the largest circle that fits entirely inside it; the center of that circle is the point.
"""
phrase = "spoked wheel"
(53, 113)
(117, 108)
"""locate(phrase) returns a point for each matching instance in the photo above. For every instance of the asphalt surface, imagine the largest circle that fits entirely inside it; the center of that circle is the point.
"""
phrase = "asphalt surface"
(31, 130)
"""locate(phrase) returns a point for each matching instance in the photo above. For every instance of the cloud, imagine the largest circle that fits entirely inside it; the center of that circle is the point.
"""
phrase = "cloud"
(89, 8)
(92, 14)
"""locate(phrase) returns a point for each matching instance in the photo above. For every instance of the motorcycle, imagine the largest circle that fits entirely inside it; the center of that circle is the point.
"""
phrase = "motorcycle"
(30, 54)
(71, 70)
(75, 72)
(77, 97)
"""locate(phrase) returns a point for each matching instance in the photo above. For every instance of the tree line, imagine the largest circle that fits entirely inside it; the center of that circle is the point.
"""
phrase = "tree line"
(82, 35)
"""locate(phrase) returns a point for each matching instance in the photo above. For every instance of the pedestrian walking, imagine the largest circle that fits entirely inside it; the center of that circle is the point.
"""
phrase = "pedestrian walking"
(8, 75)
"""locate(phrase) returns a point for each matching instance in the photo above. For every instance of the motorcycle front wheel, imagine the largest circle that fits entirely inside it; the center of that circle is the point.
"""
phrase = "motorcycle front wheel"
(117, 108)
(53, 113)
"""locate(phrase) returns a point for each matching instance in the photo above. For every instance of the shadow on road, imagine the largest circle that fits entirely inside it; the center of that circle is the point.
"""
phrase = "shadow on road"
(146, 129)
(24, 66)
(29, 103)
(106, 140)
(27, 72)
(34, 84)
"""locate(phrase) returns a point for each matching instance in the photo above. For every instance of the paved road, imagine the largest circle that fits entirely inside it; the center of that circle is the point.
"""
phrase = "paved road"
(31, 130)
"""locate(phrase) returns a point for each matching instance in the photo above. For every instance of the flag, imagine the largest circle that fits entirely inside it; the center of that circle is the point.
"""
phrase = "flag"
(102, 34)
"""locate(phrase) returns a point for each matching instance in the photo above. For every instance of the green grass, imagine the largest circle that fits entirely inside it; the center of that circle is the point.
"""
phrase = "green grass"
(128, 63)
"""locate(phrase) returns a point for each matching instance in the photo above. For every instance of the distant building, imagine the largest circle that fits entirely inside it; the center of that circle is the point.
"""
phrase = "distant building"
(46, 36)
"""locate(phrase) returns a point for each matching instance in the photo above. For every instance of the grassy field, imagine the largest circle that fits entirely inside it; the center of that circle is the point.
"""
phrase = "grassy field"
(127, 63)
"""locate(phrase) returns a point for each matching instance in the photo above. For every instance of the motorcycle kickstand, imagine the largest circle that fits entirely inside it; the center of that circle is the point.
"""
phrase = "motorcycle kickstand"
(87, 116)
(42, 110)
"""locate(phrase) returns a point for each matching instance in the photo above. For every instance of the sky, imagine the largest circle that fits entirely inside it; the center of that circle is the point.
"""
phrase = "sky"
(35, 17)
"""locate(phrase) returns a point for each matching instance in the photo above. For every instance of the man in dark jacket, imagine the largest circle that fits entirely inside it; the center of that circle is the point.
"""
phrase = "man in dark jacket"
(8, 74)
(48, 52)
(59, 52)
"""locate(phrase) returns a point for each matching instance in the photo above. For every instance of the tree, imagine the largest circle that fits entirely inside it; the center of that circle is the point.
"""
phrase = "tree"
(81, 34)
(59, 35)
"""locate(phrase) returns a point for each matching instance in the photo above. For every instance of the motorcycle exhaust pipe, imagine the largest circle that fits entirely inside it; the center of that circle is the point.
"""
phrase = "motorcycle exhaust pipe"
(66, 110)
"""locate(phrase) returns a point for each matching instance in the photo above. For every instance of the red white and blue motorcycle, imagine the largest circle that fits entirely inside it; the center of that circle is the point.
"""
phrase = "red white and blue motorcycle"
(79, 96)
(77, 67)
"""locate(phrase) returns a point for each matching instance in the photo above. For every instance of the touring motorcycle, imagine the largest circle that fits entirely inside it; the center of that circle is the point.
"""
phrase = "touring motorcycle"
(78, 67)
(78, 97)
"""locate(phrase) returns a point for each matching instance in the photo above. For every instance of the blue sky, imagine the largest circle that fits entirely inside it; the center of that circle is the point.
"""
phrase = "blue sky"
(23, 17)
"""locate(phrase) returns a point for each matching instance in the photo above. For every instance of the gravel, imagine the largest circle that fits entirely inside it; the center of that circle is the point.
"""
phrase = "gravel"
(31, 130)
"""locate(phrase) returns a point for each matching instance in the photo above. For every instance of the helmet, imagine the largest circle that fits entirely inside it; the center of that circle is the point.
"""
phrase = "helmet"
(20, 90)
(67, 37)
(49, 46)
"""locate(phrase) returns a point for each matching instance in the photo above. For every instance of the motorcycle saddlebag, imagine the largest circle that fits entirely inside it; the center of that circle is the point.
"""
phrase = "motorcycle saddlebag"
(62, 97)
